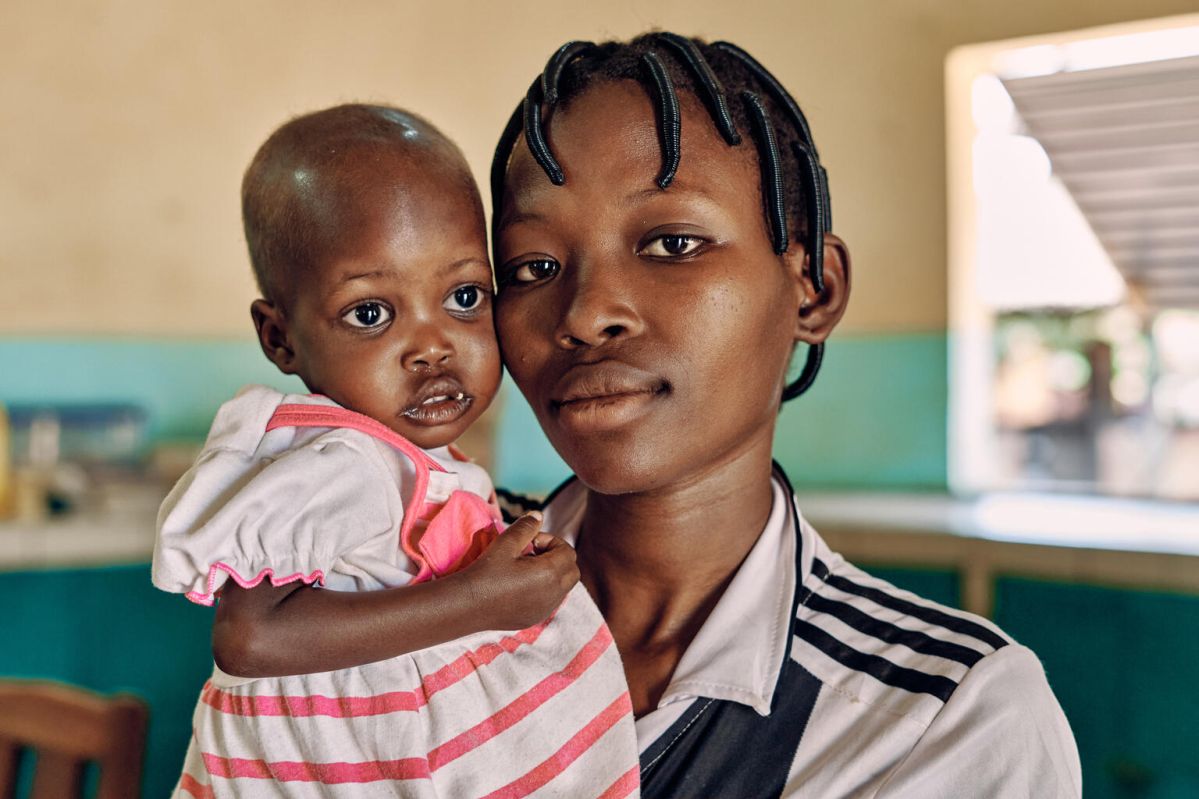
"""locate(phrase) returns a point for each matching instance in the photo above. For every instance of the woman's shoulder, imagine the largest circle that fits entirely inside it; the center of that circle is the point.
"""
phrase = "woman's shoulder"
(882, 645)
(943, 701)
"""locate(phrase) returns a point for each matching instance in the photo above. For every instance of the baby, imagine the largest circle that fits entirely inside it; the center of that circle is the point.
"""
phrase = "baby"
(366, 234)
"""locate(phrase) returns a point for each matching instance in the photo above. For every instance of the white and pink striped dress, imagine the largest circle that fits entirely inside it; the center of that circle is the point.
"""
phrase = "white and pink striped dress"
(297, 493)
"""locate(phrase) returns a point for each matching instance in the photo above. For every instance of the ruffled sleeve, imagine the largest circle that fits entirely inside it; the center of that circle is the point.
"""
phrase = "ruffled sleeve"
(237, 515)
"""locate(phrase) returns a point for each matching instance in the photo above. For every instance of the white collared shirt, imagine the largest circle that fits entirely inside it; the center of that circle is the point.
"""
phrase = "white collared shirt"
(913, 699)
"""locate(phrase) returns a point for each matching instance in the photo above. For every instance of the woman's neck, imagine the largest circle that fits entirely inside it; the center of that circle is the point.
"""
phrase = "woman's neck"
(661, 559)
(657, 563)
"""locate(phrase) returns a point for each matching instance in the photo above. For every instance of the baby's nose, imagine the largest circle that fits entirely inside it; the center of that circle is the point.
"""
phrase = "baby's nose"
(427, 350)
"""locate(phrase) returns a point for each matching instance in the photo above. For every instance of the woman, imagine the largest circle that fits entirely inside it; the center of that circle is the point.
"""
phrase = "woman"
(660, 249)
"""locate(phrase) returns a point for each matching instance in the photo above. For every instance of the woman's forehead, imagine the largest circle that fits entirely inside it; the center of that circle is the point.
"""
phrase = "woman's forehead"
(606, 141)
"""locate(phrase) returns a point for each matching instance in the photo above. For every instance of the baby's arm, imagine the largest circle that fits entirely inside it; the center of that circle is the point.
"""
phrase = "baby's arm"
(272, 631)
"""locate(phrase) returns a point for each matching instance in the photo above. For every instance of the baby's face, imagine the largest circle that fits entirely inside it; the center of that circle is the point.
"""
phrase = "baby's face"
(397, 325)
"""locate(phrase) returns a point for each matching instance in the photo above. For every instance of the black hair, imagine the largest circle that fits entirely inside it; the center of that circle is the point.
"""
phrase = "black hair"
(739, 95)
(299, 185)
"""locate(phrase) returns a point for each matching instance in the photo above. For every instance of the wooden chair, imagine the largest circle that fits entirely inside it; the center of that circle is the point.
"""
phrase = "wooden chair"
(68, 728)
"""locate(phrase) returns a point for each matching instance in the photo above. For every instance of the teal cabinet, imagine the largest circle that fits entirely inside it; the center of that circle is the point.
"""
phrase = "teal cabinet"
(110, 630)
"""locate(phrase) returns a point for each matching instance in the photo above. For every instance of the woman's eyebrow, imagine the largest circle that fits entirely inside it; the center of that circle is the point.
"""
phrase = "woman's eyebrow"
(510, 217)
(677, 187)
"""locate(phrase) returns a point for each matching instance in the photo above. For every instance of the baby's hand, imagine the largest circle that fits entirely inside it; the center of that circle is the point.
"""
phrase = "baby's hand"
(523, 576)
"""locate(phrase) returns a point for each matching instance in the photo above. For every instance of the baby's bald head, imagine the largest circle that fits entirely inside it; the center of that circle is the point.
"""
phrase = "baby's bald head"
(309, 186)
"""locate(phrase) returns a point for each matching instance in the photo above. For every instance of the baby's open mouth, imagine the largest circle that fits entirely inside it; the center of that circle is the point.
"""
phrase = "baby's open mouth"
(439, 401)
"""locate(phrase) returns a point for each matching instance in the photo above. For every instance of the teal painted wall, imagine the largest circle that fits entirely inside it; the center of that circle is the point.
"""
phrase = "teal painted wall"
(875, 418)
(180, 382)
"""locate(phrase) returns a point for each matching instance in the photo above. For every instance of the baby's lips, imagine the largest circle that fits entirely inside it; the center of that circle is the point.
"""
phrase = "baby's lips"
(440, 386)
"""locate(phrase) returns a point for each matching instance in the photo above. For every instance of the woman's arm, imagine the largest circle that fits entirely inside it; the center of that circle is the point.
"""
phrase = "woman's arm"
(271, 631)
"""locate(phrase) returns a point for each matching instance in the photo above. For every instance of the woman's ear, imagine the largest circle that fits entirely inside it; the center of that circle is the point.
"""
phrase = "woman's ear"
(271, 324)
(819, 312)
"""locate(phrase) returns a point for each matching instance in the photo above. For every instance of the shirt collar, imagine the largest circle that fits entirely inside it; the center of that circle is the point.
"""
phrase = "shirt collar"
(738, 652)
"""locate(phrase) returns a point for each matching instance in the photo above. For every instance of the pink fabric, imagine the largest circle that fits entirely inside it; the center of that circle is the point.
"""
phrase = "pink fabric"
(440, 539)
(191, 785)
(459, 532)
(528, 702)
(206, 598)
(569, 753)
(326, 773)
(467, 741)
(379, 704)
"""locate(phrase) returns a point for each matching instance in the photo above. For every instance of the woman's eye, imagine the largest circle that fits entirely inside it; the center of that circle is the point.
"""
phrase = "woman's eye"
(466, 298)
(533, 271)
(367, 315)
(672, 246)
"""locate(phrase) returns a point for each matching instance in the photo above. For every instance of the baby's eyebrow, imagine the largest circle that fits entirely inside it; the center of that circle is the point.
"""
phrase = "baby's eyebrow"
(463, 263)
(364, 275)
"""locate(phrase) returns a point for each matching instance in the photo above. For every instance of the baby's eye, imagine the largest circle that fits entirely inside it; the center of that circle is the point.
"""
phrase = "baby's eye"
(466, 298)
(368, 315)
(533, 271)
(672, 245)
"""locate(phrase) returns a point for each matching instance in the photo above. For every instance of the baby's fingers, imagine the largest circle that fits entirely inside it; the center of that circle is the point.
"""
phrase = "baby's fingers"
(544, 542)
(520, 536)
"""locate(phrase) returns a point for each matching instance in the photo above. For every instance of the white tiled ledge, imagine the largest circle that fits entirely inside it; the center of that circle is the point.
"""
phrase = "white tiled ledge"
(1093, 541)
(85, 539)
(1046, 519)
(1089, 540)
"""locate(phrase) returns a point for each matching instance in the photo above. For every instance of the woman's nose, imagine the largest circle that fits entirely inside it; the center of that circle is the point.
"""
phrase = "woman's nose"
(599, 308)
(427, 348)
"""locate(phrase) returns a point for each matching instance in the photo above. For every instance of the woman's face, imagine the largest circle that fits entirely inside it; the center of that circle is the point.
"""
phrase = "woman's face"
(650, 330)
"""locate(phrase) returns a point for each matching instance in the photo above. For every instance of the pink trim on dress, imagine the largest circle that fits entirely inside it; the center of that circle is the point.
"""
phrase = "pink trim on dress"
(205, 599)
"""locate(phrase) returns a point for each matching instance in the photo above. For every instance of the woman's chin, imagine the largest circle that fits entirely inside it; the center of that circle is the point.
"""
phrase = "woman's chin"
(614, 470)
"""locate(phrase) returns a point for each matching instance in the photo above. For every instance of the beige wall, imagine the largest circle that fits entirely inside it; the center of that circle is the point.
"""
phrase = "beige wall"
(126, 126)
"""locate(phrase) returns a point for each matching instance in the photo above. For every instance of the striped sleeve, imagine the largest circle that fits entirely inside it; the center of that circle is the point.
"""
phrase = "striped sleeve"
(886, 646)
(1002, 733)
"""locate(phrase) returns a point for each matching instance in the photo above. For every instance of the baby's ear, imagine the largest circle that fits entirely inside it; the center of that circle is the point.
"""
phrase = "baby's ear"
(271, 324)
(819, 312)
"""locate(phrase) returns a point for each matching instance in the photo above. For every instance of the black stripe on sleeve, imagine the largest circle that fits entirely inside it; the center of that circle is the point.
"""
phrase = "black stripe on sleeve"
(931, 615)
(890, 633)
(881, 669)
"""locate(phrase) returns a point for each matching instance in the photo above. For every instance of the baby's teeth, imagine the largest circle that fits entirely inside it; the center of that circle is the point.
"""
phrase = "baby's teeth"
(459, 395)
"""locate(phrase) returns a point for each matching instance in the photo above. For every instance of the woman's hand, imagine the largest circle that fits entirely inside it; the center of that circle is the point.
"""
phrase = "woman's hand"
(523, 576)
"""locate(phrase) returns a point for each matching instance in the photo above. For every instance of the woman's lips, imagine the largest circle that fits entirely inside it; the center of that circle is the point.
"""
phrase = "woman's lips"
(438, 401)
(603, 396)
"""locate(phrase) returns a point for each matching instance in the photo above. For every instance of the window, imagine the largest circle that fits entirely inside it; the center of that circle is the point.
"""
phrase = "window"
(1074, 262)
